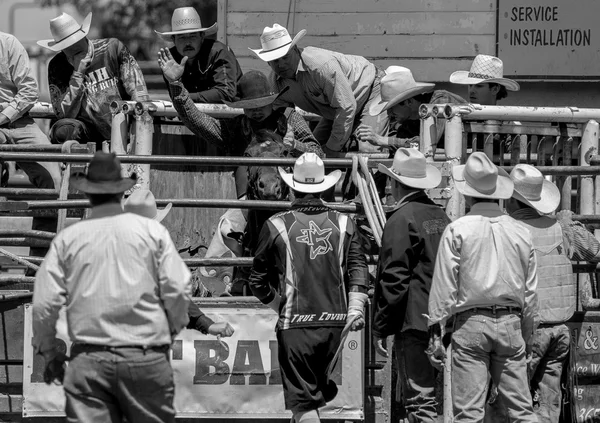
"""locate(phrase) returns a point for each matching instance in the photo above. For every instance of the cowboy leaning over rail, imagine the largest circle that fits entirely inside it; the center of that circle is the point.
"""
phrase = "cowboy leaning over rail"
(311, 270)
(126, 292)
(85, 77)
(486, 276)
(406, 260)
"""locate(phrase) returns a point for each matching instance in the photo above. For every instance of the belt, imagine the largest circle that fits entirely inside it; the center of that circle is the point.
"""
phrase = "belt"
(495, 309)
(96, 347)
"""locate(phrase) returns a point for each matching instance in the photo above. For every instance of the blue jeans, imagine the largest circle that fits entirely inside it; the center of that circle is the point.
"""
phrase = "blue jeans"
(107, 385)
(483, 342)
(416, 376)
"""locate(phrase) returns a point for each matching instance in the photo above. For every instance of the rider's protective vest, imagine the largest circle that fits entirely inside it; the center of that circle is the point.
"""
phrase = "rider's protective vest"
(557, 287)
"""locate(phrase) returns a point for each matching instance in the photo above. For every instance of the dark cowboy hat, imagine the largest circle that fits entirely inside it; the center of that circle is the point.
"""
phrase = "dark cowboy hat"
(255, 91)
(103, 176)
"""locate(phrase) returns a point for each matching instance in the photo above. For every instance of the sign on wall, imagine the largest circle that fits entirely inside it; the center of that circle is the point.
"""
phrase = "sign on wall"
(549, 39)
(232, 377)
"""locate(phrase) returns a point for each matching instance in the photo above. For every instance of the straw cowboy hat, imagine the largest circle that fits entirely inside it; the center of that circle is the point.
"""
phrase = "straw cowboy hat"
(143, 203)
(309, 175)
(410, 168)
(532, 189)
(398, 85)
(66, 32)
(255, 91)
(276, 42)
(186, 20)
(485, 69)
(103, 176)
(480, 178)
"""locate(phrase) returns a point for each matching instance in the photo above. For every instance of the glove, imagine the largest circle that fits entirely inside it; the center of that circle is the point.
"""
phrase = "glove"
(274, 304)
(381, 346)
(356, 307)
(55, 367)
(436, 351)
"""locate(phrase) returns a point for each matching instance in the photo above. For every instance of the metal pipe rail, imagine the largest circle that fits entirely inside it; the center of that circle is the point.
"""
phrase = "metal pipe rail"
(526, 114)
(28, 233)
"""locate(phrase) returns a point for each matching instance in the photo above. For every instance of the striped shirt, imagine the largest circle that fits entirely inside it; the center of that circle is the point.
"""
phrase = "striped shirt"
(18, 88)
(333, 85)
(121, 279)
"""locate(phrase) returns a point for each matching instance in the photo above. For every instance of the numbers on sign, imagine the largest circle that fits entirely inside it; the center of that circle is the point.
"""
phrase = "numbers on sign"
(587, 414)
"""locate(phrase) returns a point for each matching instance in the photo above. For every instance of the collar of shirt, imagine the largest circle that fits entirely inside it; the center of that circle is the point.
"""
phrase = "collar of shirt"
(106, 210)
(413, 196)
(526, 213)
(486, 210)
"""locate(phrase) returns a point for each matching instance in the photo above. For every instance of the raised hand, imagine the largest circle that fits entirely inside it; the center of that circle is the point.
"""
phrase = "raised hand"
(169, 66)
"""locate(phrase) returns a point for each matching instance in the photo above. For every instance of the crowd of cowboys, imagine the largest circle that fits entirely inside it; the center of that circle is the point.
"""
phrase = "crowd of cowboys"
(496, 284)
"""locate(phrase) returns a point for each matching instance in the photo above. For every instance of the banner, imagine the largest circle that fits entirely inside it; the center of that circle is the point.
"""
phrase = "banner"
(236, 377)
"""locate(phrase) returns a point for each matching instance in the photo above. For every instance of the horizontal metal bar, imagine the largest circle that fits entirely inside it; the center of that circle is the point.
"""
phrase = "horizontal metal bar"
(546, 131)
(527, 114)
(24, 242)
(8, 279)
(29, 191)
(26, 233)
(13, 297)
(564, 170)
(49, 148)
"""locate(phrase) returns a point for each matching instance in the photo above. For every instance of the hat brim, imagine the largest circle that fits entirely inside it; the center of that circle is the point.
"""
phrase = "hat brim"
(462, 77)
(207, 31)
(504, 185)
(549, 198)
(255, 103)
(162, 213)
(432, 178)
(379, 106)
(329, 181)
(81, 183)
(71, 39)
(270, 55)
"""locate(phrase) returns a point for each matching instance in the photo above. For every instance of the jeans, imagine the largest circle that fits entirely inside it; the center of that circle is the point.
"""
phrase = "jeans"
(105, 385)
(46, 175)
(484, 342)
(416, 376)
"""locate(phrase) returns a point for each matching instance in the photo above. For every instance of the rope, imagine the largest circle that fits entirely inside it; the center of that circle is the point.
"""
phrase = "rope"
(18, 259)
(366, 201)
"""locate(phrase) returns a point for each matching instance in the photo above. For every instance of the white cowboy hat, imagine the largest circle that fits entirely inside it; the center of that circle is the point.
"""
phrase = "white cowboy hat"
(485, 69)
(276, 42)
(480, 178)
(66, 32)
(186, 20)
(410, 168)
(532, 189)
(309, 175)
(398, 85)
(143, 203)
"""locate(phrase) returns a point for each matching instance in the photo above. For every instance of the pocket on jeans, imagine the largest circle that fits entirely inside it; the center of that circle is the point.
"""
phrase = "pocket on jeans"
(515, 335)
(468, 331)
(81, 375)
(152, 377)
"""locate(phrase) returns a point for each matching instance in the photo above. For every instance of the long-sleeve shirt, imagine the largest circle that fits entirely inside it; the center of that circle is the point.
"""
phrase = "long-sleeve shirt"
(18, 88)
(312, 257)
(119, 276)
(333, 85)
(213, 76)
(485, 258)
(406, 261)
(234, 135)
(113, 74)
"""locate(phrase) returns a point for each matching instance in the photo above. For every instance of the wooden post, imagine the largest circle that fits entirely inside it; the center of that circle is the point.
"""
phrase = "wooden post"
(453, 140)
(144, 128)
(448, 410)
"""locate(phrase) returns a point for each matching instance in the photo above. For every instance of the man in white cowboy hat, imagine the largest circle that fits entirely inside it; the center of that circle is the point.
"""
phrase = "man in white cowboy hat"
(401, 97)
(486, 278)
(143, 203)
(207, 68)
(18, 93)
(338, 87)
(84, 77)
(406, 260)
(557, 241)
(485, 80)
(320, 287)
(126, 292)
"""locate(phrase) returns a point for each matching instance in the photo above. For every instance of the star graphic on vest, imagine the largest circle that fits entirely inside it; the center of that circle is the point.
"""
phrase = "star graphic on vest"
(317, 238)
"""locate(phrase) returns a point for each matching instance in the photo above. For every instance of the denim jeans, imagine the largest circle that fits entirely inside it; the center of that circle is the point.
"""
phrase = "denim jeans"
(416, 377)
(483, 342)
(107, 385)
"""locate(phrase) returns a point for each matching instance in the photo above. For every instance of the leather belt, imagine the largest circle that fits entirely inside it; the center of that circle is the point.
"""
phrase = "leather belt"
(496, 309)
(96, 347)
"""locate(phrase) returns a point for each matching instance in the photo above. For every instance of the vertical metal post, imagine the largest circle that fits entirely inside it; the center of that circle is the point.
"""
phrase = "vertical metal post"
(589, 147)
(453, 141)
(428, 135)
(144, 128)
(448, 410)
(118, 133)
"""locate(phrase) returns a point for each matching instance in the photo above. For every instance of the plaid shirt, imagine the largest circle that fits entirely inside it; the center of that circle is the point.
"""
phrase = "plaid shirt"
(234, 135)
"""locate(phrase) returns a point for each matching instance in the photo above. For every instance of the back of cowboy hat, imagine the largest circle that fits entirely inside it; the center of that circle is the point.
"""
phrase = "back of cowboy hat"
(103, 176)
(480, 178)
(533, 189)
(309, 176)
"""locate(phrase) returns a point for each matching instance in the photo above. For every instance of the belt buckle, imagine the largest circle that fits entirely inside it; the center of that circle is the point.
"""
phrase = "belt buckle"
(494, 309)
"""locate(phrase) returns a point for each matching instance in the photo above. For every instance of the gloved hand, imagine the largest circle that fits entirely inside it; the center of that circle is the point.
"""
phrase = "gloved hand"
(55, 366)
(223, 329)
(436, 351)
(381, 346)
(274, 304)
(356, 313)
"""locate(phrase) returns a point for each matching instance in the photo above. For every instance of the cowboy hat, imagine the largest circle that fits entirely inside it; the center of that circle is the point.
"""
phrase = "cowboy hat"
(276, 42)
(309, 175)
(254, 91)
(186, 20)
(66, 32)
(485, 69)
(480, 178)
(532, 189)
(103, 176)
(398, 85)
(143, 203)
(411, 169)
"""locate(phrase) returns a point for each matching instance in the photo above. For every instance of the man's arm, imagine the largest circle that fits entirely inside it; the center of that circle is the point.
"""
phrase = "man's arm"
(22, 76)
(174, 280)
(581, 244)
(131, 75)
(225, 73)
(259, 281)
(304, 140)
(198, 319)
(49, 295)
(531, 318)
